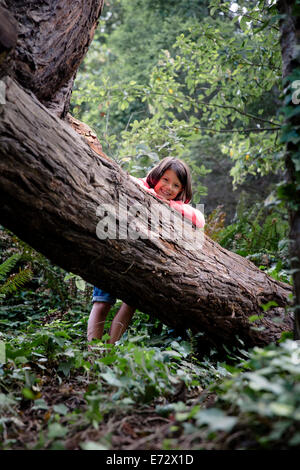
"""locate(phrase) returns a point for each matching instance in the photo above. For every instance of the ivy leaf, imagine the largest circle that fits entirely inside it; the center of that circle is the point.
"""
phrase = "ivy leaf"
(80, 283)
(111, 379)
(65, 367)
(40, 404)
(258, 382)
(61, 409)
(268, 305)
(56, 430)
(215, 419)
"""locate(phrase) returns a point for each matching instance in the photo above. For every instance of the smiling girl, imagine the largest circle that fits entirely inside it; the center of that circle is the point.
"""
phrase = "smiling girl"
(170, 181)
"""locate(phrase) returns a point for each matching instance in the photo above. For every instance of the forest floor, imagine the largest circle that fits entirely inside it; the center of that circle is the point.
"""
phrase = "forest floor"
(45, 407)
(138, 428)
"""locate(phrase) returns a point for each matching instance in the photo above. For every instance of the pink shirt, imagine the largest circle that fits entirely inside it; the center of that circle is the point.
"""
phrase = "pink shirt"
(188, 211)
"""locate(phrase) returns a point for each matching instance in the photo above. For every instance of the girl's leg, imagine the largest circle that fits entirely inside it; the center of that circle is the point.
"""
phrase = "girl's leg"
(120, 322)
(97, 319)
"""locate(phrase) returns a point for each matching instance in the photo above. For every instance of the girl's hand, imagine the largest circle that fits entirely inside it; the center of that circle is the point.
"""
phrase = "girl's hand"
(149, 190)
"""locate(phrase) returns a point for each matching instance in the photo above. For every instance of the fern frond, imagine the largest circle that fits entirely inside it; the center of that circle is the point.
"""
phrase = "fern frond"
(15, 281)
(215, 223)
(8, 264)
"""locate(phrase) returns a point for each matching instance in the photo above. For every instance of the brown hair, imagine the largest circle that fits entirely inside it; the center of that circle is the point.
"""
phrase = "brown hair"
(183, 174)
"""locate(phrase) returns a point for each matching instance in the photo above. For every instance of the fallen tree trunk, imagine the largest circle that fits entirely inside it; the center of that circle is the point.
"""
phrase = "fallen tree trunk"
(8, 33)
(53, 38)
(52, 186)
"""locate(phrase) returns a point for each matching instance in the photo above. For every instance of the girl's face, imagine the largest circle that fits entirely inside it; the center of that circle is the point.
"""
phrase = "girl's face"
(169, 186)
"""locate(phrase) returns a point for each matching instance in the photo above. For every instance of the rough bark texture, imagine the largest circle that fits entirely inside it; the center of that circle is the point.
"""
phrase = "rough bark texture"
(51, 184)
(53, 37)
(8, 31)
(290, 44)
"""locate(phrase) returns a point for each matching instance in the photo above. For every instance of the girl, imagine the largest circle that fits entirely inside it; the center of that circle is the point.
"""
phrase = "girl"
(170, 181)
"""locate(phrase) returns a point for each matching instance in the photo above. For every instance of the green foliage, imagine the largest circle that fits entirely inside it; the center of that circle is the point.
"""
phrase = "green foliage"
(289, 190)
(7, 265)
(128, 374)
(14, 281)
(266, 394)
(256, 398)
(39, 288)
(139, 374)
(256, 407)
(213, 87)
(259, 233)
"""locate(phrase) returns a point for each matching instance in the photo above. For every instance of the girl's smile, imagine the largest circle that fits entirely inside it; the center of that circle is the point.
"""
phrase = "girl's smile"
(169, 186)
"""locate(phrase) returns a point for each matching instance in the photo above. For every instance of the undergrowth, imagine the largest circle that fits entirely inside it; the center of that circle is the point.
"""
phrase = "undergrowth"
(256, 399)
(259, 233)
(68, 391)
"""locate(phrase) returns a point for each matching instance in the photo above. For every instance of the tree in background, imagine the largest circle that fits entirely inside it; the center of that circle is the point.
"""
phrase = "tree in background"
(290, 189)
(167, 78)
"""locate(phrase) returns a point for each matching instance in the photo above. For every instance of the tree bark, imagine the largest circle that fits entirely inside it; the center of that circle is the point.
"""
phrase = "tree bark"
(8, 31)
(52, 184)
(290, 44)
(53, 38)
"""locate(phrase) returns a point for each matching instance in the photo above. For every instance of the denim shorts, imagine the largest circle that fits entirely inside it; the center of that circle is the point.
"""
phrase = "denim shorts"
(100, 295)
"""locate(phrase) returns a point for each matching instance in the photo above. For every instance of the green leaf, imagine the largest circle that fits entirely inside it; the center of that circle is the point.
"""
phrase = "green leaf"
(215, 419)
(254, 318)
(56, 430)
(61, 409)
(291, 111)
(123, 105)
(281, 409)
(21, 360)
(258, 382)
(111, 378)
(243, 23)
(6, 401)
(8, 264)
(261, 28)
(80, 283)
(290, 136)
(90, 445)
(29, 394)
(65, 367)
(40, 404)
(268, 305)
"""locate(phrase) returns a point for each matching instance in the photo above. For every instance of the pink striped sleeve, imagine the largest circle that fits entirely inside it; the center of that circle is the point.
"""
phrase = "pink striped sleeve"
(194, 215)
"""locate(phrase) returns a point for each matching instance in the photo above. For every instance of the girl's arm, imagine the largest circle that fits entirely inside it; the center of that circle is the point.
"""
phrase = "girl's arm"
(194, 215)
(141, 182)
